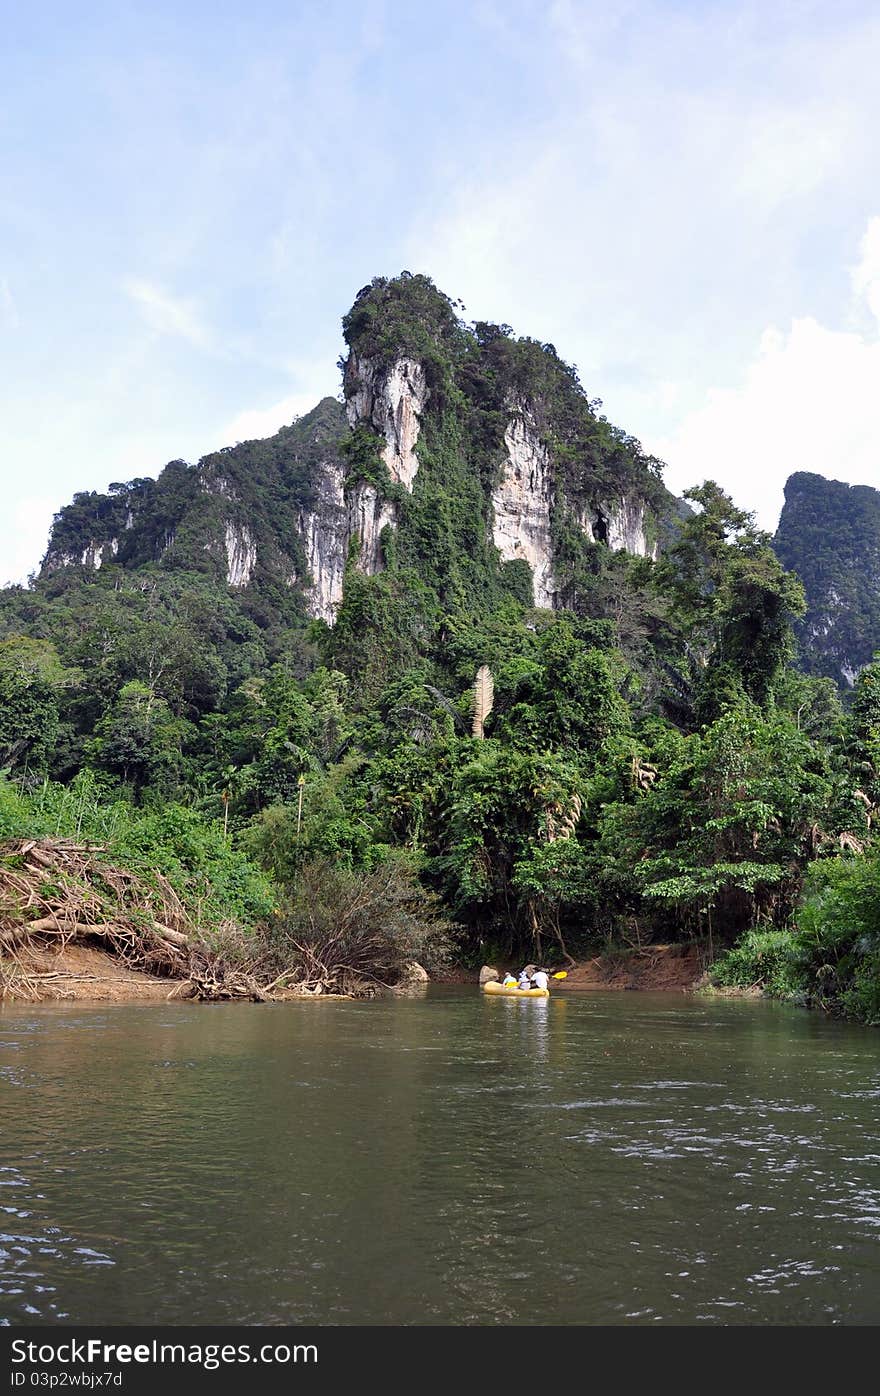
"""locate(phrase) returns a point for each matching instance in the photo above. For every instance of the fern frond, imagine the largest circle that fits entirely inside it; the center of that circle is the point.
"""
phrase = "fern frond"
(572, 816)
(484, 696)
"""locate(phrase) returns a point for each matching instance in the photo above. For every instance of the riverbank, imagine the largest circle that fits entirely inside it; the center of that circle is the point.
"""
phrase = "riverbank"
(75, 927)
(80, 973)
(77, 923)
(85, 974)
(652, 968)
(77, 973)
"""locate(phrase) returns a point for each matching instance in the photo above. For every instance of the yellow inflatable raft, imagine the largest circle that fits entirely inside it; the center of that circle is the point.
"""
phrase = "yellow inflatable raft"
(494, 986)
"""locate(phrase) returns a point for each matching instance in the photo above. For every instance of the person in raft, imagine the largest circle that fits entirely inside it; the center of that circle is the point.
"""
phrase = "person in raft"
(533, 978)
(508, 982)
(526, 978)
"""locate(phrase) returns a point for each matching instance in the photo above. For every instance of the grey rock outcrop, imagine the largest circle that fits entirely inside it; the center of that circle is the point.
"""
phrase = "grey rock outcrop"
(318, 505)
(521, 503)
(620, 523)
(241, 555)
(413, 980)
(367, 515)
(324, 531)
(391, 401)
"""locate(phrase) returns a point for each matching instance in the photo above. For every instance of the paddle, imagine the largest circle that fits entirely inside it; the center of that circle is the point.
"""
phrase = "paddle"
(561, 974)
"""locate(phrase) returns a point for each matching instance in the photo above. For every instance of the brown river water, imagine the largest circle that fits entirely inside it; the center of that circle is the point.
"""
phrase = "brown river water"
(591, 1159)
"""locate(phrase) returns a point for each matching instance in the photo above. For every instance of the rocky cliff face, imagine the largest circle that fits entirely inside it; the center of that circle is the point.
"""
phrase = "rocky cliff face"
(388, 400)
(391, 401)
(324, 530)
(273, 508)
(620, 523)
(521, 502)
(241, 555)
(368, 513)
(92, 557)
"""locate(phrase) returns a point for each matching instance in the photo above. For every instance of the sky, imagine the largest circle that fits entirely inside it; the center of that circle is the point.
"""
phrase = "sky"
(684, 198)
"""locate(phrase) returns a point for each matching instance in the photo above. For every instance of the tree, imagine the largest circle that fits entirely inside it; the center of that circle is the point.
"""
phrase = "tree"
(562, 695)
(723, 834)
(31, 677)
(733, 602)
(140, 741)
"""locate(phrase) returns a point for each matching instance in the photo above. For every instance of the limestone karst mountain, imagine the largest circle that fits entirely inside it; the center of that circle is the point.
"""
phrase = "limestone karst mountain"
(829, 534)
(469, 455)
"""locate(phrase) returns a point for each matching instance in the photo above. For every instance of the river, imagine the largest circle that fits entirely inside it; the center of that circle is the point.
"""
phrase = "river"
(591, 1159)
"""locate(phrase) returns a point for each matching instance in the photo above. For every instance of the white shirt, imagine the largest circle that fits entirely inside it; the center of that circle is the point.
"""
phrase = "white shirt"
(540, 980)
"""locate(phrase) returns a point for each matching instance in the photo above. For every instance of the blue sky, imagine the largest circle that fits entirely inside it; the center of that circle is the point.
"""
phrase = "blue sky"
(682, 197)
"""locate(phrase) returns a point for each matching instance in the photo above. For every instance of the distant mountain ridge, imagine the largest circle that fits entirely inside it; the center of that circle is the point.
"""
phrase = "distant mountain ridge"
(829, 534)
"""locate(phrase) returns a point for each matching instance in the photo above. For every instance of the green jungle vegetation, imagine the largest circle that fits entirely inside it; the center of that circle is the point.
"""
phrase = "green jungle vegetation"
(644, 762)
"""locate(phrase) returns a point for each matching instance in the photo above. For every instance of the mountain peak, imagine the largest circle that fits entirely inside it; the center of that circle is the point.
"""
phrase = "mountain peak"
(493, 434)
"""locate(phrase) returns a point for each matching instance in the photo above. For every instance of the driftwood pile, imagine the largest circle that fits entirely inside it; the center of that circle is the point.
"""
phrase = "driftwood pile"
(56, 891)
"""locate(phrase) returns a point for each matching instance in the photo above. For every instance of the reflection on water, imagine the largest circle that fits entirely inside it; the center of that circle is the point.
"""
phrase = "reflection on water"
(454, 1159)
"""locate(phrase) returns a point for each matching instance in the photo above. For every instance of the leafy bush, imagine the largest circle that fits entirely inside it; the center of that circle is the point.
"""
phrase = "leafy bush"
(347, 932)
(335, 825)
(215, 881)
(15, 811)
(839, 936)
(765, 958)
(831, 959)
(201, 865)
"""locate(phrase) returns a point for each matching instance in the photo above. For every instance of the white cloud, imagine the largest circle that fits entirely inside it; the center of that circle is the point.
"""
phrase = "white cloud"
(785, 153)
(809, 400)
(313, 379)
(167, 314)
(256, 422)
(32, 519)
(661, 208)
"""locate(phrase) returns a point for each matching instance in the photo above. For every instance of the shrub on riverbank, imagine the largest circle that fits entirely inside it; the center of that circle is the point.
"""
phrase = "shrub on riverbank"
(760, 959)
(343, 932)
(165, 892)
(831, 958)
(838, 936)
(60, 899)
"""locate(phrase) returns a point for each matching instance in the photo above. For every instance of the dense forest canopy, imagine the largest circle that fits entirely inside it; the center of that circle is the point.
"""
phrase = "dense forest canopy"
(652, 765)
